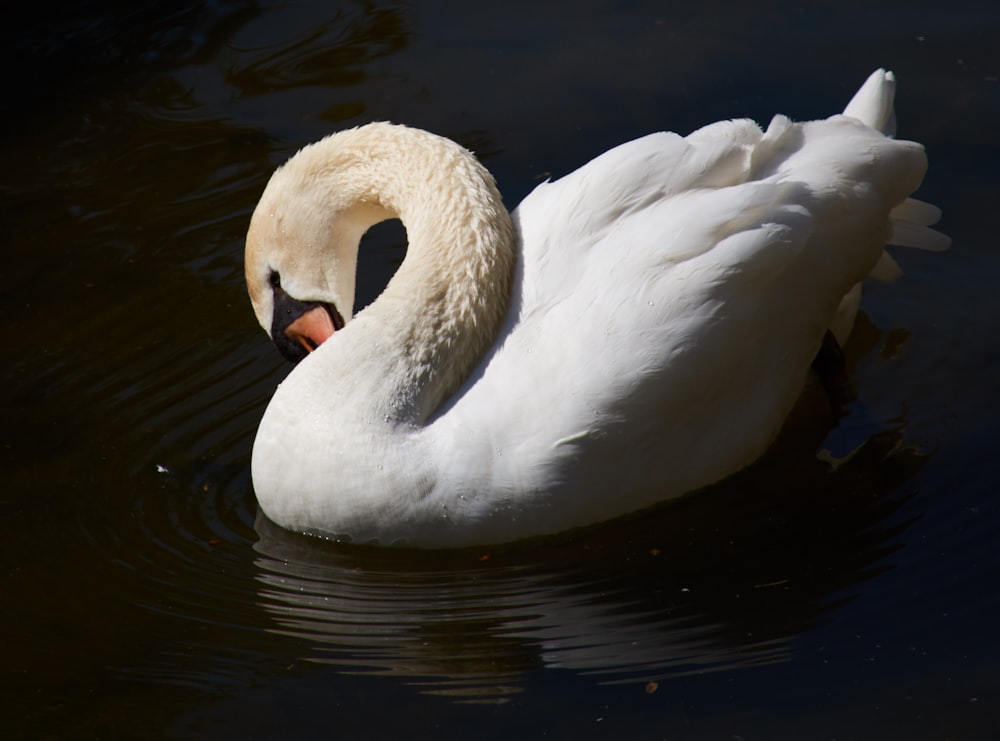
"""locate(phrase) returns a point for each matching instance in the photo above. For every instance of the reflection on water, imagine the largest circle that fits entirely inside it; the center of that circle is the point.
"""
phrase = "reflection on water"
(723, 580)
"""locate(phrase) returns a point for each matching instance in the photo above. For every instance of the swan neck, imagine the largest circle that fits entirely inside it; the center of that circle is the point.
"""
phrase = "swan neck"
(442, 309)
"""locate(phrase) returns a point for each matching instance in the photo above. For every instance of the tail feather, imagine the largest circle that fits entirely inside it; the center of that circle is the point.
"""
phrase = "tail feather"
(908, 234)
(911, 220)
(917, 212)
(872, 104)
(886, 270)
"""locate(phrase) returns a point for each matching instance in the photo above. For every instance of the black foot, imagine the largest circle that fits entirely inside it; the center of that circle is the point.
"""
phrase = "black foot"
(831, 368)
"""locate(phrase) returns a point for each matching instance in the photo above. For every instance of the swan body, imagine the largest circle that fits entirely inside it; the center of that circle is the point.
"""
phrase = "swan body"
(636, 330)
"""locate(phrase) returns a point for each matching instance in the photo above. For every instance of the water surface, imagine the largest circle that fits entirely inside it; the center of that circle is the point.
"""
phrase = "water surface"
(845, 587)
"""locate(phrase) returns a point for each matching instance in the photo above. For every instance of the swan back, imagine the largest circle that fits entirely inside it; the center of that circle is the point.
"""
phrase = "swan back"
(677, 318)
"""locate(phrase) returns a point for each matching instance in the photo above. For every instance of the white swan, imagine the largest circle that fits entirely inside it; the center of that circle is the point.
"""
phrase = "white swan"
(636, 330)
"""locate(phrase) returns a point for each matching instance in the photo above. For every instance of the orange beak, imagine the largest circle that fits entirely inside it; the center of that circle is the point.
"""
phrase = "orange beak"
(311, 329)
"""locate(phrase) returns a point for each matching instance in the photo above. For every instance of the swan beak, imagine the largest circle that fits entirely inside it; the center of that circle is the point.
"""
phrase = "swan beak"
(312, 328)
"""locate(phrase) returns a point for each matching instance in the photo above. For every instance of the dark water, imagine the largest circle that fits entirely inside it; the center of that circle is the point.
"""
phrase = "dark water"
(845, 588)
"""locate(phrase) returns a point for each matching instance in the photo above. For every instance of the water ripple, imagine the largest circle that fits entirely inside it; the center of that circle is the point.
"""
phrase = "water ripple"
(730, 578)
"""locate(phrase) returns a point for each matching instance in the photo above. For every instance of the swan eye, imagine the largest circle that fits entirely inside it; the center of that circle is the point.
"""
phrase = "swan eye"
(274, 278)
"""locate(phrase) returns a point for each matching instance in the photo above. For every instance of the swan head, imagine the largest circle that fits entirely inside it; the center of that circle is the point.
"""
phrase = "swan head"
(441, 309)
(302, 248)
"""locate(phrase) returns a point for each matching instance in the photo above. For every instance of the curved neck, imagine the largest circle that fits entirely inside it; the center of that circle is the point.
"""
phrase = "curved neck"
(441, 310)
